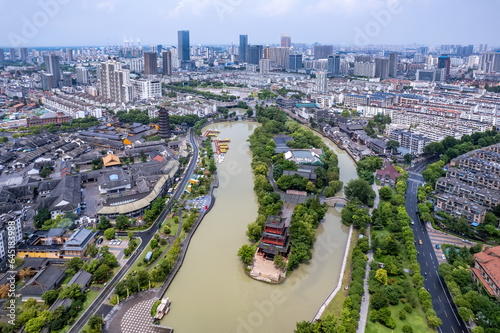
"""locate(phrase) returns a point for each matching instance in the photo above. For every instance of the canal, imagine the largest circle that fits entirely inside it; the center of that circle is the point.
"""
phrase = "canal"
(213, 293)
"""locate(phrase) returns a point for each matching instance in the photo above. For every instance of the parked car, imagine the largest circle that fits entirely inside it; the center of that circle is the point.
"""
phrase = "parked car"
(437, 246)
(99, 241)
(443, 256)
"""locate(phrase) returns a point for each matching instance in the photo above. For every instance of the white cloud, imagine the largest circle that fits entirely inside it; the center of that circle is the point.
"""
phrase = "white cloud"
(193, 7)
(275, 7)
(347, 5)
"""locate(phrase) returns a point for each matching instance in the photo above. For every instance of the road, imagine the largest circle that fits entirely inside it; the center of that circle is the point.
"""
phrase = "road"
(441, 298)
(99, 305)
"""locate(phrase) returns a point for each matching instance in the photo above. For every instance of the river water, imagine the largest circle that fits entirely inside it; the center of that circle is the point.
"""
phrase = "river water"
(213, 293)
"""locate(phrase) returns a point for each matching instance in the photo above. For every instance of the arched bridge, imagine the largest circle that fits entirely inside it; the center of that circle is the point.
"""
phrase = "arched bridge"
(332, 201)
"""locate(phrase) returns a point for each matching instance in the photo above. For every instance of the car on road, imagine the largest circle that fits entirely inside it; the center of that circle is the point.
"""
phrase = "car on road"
(443, 256)
(420, 241)
(99, 241)
(412, 222)
(437, 246)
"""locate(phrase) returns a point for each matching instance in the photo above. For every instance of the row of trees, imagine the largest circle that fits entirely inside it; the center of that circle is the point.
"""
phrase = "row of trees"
(205, 94)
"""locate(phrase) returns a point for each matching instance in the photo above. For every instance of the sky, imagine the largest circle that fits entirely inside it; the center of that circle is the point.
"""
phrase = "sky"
(38, 23)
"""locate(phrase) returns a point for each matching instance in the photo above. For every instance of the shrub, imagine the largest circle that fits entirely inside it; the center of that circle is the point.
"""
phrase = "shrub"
(407, 329)
(402, 314)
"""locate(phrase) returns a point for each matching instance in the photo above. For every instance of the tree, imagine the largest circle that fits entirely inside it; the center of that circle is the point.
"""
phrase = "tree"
(280, 262)
(381, 276)
(101, 273)
(109, 233)
(130, 235)
(42, 215)
(104, 223)
(408, 158)
(393, 145)
(143, 157)
(4, 290)
(122, 222)
(379, 299)
(75, 264)
(385, 193)
(359, 189)
(35, 325)
(95, 323)
(245, 253)
(26, 272)
(50, 296)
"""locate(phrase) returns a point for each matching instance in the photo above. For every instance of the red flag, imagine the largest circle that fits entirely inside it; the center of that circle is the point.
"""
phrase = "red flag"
(206, 207)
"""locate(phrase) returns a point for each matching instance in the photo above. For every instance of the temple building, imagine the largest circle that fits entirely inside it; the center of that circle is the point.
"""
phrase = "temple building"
(275, 238)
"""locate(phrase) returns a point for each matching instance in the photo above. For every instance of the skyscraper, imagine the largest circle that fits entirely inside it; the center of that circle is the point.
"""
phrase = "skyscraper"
(52, 63)
(382, 68)
(69, 54)
(321, 82)
(12, 53)
(393, 64)
(254, 54)
(266, 52)
(115, 81)
(334, 65)
(183, 49)
(82, 76)
(167, 62)
(286, 40)
(243, 48)
(490, 62)
(322, 51)
(265, 66)
(295, 62)
(23, 54)
(150, 63)
(163, 123)
(444, 61)
(2, 56)
(159, 49)
(279, 56)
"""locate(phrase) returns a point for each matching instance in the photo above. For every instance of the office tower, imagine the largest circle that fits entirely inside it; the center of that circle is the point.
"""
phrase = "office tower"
(364, 66)
(469, 50)
(115, 81)
(82, 75)
(321, 82)
(444, 61)
(163, 123)
(184, 49)
(490, 62)
(2, 56)
(69, 55)
(265, 66)
(322, 51)
(167, 63)
(254, 54)
(150, 63)
(393, 64)
(47, 81)
(266, 52)
(12, 53)
(242, 55)
(424, 50)
(23, 54)
(418, 58)
(159, 49)
(286, 40)
(382, 68)
(279, 56)
(295, 62)
(334, 65)
(66, 79)
(52, 63)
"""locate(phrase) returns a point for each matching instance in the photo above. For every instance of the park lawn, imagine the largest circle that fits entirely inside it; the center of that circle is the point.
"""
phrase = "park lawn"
(416, 320)
(174, 227)
(335, 306)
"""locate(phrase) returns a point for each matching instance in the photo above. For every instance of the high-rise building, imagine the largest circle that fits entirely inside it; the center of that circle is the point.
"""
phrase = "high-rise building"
(490, 62)
(279, 56)
(393, 64)
(382, 68)
(163, 123)
(444, 61)
(167, 62)
(52, 63)
(82, 75)
(265, 66)
(243, 48)
(47, 81)
(334, 65)
(254, 54)
(146, 89)
(2, 56)
(12, 53)
(266, 52)
(322, 51)
(159, 49)
(23, 54)
(66, 79)
(321, 82)
(115, 81)
(150, 63)
(286, 40)
(295, 62)
(69, 54)
(184, 49)
(364, 66)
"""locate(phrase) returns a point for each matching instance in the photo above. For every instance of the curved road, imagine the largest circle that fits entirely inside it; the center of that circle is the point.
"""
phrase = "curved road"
(441, 298)
(99, 305)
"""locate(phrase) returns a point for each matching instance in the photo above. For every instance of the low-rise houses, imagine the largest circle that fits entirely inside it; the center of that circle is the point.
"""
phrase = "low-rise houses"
(486, 270)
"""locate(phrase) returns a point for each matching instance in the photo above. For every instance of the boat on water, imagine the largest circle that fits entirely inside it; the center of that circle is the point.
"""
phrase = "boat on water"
(163, 308)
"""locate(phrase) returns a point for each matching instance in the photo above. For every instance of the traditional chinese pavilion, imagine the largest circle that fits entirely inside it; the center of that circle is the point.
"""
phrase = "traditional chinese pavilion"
(275, 239)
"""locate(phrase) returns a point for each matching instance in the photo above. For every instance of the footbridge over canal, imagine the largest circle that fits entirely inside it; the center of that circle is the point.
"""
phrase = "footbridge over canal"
(332, 201)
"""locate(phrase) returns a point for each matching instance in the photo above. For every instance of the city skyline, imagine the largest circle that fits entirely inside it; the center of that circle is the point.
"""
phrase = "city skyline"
(394, 22)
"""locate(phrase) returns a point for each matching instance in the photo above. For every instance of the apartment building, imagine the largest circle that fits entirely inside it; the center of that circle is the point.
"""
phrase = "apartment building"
(476, 179)
(485, 197)
(461, 207)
